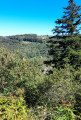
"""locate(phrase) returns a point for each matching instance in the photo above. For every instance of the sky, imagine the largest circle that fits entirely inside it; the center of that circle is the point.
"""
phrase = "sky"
(30, 16)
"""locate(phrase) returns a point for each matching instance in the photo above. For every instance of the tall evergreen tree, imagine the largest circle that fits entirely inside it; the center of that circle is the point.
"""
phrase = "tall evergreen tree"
(71, 19)
(65, 46)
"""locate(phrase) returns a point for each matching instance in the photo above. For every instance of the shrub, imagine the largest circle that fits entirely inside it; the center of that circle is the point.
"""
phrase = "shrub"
(64, 85)
(15, 72)
(77, 105)
(12, 108)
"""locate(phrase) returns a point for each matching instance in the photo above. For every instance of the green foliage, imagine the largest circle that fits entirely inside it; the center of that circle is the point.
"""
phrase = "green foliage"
(34, 49)
(22, 83)
(70, 20)
(35, 91)
(32, 38)
(30, 45)
(65, 83)
(65, 47)
(15, 72)
(66, 50)
(78, 102)
(14, 107)
(63, 111)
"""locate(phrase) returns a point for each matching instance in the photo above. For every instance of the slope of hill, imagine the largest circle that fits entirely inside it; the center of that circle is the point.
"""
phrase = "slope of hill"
(29, 44)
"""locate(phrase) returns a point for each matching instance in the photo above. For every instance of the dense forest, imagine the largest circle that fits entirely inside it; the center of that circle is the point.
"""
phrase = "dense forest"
(30, 45)
(40, 76)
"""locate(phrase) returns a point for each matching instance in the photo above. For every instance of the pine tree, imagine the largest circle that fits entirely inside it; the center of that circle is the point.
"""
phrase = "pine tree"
(70, 20)
(65, 46)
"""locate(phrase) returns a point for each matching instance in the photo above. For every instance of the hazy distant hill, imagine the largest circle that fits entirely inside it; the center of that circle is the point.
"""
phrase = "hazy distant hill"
(25, 37)
(29, 44)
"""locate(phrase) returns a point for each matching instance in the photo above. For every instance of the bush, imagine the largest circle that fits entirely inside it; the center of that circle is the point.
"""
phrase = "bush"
(64, 85)
(40, 89)
(77, 105)
(12, 108)
(15, 72)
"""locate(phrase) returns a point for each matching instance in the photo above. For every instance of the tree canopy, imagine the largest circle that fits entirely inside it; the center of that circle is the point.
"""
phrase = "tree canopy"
(65, 46)
(69, 22)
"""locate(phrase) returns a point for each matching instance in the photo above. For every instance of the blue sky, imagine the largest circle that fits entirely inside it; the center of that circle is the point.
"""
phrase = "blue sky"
(30, 16)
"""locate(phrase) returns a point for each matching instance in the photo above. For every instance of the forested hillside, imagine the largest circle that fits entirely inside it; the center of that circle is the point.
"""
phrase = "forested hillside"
(40, 76)
(30, 45)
